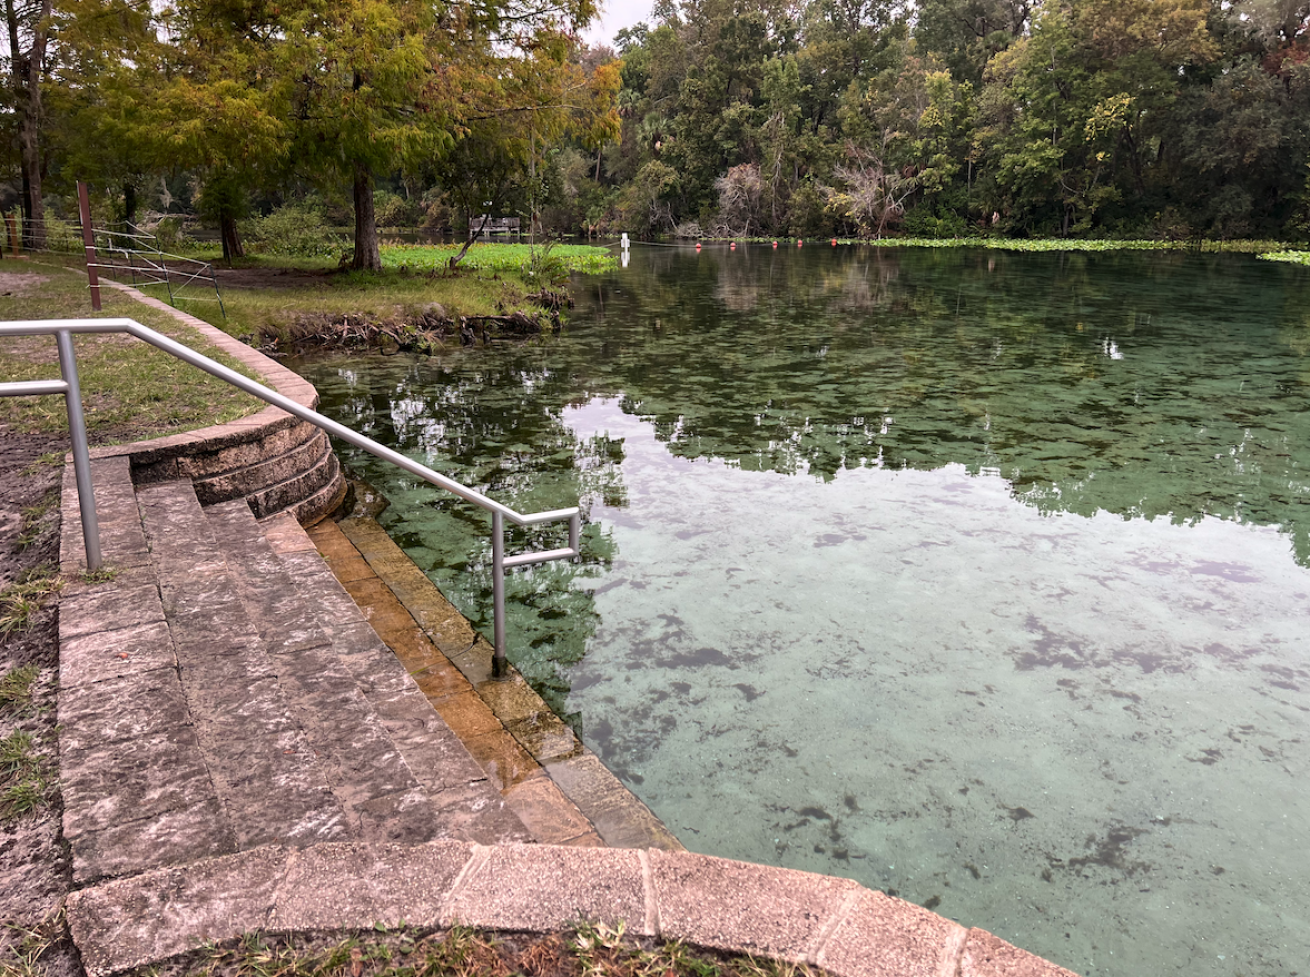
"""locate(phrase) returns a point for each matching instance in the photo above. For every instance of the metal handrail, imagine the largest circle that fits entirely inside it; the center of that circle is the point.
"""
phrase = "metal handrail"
(63, 330)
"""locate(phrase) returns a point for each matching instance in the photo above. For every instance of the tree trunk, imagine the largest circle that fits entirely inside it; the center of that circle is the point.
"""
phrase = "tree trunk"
(27, 70)
(129, 206)
(472, 235)
(227, 229)
(29, 146)
(367, 255)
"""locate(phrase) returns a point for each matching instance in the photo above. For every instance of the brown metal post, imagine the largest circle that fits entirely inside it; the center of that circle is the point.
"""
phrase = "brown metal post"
(88, 242)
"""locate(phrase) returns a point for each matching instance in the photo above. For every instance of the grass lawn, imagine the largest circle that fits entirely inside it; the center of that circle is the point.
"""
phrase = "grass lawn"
(500, 258)
(275, 298)
(130, 390)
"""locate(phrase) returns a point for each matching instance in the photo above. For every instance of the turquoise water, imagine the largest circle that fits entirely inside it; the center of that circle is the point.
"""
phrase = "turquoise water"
(979, 578)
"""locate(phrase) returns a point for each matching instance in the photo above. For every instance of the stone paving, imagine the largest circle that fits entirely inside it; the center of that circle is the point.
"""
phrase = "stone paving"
(205, 709)
(797, 916)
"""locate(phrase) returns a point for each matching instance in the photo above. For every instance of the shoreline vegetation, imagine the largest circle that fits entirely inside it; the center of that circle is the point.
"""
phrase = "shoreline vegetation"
(1031, 245)
(508, 291)
(290, 304)
(417, 302)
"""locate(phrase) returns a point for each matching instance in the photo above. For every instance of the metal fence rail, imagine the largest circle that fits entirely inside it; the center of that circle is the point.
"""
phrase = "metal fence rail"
(131, 253)
(136, 254)
(63, 330)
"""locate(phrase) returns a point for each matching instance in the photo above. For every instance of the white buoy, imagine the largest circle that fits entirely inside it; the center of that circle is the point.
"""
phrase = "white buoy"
(625, 240)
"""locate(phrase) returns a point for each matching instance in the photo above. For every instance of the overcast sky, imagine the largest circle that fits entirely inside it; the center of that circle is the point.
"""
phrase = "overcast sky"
(614, 16)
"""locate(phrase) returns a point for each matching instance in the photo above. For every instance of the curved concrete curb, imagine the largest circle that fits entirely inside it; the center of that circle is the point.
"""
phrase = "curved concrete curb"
(831, 923)
(272, 460)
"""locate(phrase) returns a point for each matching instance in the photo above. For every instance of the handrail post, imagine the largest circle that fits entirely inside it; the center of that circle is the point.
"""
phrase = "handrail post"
(499, 665)
(86, 497)
(168, 280)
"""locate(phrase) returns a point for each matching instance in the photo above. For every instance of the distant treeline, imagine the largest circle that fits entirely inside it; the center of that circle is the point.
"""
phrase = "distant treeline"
(1160, 118)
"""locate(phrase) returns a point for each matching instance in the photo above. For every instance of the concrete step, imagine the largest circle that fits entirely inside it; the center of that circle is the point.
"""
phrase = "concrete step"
(402, 775)
(270, 780)
(219, 691)
(365, 770)
(137, 792)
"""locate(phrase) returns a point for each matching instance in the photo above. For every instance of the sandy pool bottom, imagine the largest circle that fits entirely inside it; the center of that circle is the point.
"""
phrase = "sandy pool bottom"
(1087, 735)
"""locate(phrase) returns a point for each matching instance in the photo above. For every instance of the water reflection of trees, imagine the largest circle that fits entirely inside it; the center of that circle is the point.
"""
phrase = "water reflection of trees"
(501, 431)
(1149, 386)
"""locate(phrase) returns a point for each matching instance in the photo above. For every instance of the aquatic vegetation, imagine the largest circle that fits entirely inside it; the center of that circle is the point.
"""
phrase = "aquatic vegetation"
(1292, 257)
(977, 578)
(1265, 249)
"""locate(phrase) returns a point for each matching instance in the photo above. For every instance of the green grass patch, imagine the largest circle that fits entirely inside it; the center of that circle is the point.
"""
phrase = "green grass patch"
(130, 390)
(24, 778)
(277, 307)
(501, 258)
(16, 690)
(34, 519)
(51, 459)
(25, 946)
(104, 575)
(20, 601)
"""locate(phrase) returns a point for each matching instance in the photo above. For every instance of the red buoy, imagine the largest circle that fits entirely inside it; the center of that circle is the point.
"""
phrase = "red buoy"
(800, 243)
(775, 244)
(732, 246)
(834, 242)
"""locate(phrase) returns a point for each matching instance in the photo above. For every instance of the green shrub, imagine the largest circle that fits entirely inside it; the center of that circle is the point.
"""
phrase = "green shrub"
(393, 210)
(170, 234)
(63, 236)
(807, 217)
(296, 230)
(926, 222)
(545, 270)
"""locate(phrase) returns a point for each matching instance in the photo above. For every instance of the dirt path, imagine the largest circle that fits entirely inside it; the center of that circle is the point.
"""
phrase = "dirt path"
(272, 277)
(34, 867)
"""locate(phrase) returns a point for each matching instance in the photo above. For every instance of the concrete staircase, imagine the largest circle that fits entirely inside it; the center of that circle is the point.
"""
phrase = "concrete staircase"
(207, 705)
